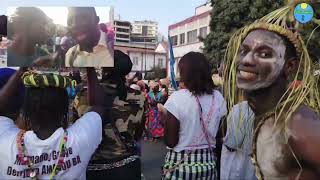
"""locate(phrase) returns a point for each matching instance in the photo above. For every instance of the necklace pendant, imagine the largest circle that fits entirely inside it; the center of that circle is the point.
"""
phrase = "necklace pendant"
(33, 174)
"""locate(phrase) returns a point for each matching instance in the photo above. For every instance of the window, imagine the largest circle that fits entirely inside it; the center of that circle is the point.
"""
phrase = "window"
(192, 36)
(160, 61)
(144, 30)
(203, 32)
(122, 36)
(135, 61)
(122, 23)
(120, 40)
(174, 40)
(182, 38)
(122, 30)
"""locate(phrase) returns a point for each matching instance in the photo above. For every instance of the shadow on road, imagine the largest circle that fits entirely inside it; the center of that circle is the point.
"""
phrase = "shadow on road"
(153, 154)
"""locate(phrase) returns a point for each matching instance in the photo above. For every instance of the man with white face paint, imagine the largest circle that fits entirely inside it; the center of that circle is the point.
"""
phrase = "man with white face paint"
(265, 59)
(261, 60)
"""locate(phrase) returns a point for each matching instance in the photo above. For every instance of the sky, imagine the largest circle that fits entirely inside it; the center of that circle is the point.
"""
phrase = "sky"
(60, 18)
(165, 12)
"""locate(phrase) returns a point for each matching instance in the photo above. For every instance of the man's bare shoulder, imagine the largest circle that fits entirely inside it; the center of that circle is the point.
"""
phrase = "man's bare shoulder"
(305, 134)
(304, 118)
(304, 126)
(304, 114)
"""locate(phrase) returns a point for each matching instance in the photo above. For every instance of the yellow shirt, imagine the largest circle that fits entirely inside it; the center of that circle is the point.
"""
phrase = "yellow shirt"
(102, 55)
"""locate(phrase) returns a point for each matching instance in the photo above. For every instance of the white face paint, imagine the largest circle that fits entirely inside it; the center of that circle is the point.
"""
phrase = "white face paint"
(260, 60)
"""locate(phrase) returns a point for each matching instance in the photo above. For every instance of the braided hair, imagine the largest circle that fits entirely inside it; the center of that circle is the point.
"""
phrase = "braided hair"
(43, 106)
(46, 100)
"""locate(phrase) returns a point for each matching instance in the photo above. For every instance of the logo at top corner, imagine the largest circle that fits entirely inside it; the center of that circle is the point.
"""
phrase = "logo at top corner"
(303, 13)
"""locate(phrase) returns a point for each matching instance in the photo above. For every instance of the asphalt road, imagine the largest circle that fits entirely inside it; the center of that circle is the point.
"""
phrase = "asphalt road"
(153, 155)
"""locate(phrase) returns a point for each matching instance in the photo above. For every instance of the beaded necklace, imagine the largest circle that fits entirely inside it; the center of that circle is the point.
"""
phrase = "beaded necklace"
(23, 155)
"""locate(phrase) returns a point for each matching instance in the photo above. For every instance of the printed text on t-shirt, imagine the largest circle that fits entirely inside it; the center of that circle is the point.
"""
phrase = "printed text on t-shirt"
(47, 168)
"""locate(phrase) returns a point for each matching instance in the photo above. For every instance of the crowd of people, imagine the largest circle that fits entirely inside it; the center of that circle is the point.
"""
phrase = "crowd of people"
(262, 123)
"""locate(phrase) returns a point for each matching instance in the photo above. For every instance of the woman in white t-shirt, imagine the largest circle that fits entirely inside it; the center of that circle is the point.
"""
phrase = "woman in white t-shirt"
(49, 149)
(192, 117)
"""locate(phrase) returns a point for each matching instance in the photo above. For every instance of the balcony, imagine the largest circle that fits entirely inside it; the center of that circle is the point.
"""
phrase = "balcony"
(123, 27)
(124, 33)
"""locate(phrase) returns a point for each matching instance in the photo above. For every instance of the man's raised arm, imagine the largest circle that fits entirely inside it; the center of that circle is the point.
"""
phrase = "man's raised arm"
(96, 95)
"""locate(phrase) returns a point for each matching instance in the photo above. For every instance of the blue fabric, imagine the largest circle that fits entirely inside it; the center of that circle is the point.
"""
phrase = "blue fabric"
(71, 92)
(5, 75)
(172, 61)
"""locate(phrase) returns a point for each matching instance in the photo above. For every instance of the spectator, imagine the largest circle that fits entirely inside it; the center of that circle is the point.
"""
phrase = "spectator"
(191, 118)
(26, 33)
(118, 155)
(83, 23)
(153, 116)
(49, 144)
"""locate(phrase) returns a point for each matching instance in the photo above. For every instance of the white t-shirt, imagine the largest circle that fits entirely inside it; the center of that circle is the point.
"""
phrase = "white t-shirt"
(84, 136)
(238, 164)
(58, 40)
(183, 105)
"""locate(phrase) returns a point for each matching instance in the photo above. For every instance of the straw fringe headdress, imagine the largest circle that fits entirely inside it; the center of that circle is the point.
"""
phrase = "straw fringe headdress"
(282, 22)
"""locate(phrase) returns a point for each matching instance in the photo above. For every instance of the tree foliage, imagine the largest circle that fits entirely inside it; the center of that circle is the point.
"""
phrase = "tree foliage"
(314, 43)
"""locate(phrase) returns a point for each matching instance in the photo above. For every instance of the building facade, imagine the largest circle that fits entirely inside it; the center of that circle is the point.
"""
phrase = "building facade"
(3, 52)
(145, 57)
(144, 32)
(122, 30)
(185, 35)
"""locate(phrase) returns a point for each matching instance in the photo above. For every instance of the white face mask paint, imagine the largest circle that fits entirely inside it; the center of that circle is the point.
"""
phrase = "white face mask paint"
(260, 60)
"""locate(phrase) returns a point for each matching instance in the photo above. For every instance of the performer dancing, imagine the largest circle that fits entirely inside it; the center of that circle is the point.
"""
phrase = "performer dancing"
(264, 59)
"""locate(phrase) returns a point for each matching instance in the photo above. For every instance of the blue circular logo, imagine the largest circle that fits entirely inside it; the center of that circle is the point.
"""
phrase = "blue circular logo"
(303, 13)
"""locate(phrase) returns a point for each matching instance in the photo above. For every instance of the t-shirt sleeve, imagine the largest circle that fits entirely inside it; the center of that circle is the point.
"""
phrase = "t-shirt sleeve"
(6, 124)
(222, 104)
(172, 105)
(88, 130)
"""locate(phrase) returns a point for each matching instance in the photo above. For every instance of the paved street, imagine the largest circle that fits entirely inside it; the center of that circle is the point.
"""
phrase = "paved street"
(152, 159)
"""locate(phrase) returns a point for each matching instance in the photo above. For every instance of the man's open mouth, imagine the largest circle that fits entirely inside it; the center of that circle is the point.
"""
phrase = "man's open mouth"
(247, 75)
(81, 36)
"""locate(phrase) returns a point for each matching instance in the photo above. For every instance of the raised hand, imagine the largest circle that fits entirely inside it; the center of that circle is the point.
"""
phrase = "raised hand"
(47, 61)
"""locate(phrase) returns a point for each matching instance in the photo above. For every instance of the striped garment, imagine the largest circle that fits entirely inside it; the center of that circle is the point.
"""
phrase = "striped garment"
(33, 79)
(197, 164)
